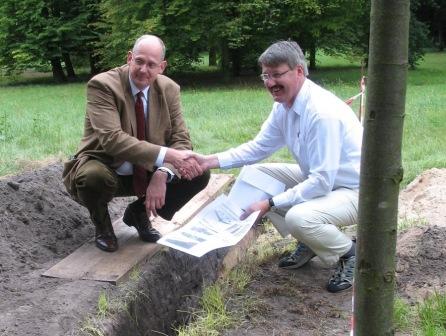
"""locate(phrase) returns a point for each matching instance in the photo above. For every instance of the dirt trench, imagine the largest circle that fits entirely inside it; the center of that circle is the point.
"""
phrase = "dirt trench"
(39, 226)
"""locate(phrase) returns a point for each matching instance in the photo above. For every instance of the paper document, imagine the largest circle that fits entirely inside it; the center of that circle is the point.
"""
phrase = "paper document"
(252, 185)
(218, 224)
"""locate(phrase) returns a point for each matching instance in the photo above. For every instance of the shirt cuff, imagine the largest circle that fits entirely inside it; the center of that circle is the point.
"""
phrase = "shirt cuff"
(281, 200)
(160, 158)
(224, 160)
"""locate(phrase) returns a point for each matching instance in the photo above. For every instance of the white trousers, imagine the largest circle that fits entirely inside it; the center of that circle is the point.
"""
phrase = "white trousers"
(314, 222)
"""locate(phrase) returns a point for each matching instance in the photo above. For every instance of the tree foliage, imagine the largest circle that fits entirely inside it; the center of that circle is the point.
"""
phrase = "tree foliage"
(38, 33)
(55, 33)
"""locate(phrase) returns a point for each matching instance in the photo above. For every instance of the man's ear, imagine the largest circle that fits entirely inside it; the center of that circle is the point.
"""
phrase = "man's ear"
(163, 66)
(129, 57)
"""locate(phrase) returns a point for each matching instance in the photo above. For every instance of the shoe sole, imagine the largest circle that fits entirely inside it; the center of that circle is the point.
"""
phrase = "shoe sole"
(296, 265)
(102, 248)
(339, 290)
(129, 220)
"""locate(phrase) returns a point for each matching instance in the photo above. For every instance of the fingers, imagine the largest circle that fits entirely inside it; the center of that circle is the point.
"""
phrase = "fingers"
(190, 164)
(190, 168)
(152, 204)
(150, 208)
(155, 194)
(262, 206)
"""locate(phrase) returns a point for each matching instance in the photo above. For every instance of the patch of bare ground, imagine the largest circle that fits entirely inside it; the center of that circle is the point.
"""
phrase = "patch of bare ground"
(40, 225)
(295, 302)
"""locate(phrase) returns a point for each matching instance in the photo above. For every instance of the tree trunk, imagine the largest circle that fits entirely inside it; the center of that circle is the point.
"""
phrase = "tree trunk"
(440, 37)
(212, 56)
(236, 61)
(224, 61)
(56, 67)
(94, 61)
(381, 170)
(68, 65)
(312, 51)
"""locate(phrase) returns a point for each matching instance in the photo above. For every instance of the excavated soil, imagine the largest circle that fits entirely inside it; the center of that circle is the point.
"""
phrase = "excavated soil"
(40, 225)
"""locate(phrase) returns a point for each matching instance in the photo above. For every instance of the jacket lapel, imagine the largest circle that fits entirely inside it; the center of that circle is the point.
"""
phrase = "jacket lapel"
(154, 107)
(129, 100)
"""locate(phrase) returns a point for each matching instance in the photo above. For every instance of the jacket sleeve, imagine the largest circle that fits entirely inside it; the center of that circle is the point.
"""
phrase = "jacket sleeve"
(178, 136)
(104, 116)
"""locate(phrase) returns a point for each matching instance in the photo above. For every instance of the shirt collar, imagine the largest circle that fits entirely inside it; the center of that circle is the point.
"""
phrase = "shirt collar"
(301, 98)
(135, 90)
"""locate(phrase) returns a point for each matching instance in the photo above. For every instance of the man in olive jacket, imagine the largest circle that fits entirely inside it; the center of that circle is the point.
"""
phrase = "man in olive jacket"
(114, 151)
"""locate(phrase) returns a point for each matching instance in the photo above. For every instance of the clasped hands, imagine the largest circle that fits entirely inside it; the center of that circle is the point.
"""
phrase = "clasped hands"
(190, 165)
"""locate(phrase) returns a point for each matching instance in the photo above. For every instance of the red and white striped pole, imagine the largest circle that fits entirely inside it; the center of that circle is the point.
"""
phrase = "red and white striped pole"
(352, 319)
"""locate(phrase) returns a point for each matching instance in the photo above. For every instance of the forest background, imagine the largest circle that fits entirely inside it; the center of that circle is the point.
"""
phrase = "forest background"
(88, 36)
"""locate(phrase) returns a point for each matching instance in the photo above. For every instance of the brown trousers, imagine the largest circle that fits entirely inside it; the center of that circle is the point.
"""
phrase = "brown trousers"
(96, 184)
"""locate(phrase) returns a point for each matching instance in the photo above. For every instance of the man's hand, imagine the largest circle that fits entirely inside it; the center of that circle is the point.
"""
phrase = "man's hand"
(206, 162)
(263, 206)
(184, 162)
(156, 193)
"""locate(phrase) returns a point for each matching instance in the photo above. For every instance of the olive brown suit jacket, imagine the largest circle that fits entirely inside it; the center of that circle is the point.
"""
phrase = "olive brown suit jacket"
(110, 124)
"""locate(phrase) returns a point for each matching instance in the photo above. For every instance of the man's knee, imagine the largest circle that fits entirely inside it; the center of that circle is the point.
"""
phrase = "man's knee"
(95, 178)
(301, 222)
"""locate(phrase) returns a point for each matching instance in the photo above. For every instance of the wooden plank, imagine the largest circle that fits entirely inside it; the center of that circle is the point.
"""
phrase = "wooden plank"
(88, 262)
(238, 251)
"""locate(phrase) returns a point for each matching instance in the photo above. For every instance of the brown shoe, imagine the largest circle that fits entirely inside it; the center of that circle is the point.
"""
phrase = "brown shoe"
(106, 241)
(139, 220)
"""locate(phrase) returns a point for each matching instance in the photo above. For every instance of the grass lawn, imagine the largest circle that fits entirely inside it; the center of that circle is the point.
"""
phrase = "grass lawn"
(44, 121)
(41, 122)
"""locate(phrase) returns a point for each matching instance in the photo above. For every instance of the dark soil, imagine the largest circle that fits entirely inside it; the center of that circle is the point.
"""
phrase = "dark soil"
(40, 225)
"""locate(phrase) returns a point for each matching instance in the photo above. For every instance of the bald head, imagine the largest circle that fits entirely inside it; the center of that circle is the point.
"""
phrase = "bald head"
(146, 60)
(153, 42)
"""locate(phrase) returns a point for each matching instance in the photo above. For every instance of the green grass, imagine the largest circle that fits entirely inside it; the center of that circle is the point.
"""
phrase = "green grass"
(424, 139)
(38, 122)
(432, 314)
(223, 304)
(403, 315)
(426, 318)
(44, 121)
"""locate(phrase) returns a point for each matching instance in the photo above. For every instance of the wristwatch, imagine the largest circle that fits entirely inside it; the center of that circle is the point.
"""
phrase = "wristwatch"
(167, 171)
(271, 203)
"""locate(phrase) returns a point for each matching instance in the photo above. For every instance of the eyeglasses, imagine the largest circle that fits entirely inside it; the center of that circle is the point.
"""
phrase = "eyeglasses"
(264, 76)
(151, 65)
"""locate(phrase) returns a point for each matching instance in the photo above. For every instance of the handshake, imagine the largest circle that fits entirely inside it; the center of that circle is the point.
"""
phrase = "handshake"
(190, 164)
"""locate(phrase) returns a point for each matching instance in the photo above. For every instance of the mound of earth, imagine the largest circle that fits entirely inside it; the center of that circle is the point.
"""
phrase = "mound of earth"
(40, 225)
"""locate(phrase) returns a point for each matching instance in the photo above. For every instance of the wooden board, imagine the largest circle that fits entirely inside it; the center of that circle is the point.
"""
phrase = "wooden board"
(90, 263)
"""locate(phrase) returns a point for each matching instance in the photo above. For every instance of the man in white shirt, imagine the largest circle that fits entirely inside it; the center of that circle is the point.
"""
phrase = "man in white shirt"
(324, 137)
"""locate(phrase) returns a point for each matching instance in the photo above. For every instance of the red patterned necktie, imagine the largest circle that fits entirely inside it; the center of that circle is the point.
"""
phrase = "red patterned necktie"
(140, 181)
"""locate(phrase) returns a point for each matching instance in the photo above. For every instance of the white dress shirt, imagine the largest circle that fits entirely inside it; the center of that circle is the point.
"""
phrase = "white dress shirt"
(323, 135)
(127, 167)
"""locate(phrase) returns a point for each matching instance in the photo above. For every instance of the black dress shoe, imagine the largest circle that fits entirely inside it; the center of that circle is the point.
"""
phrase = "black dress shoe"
(139, 220)
(106, 242)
